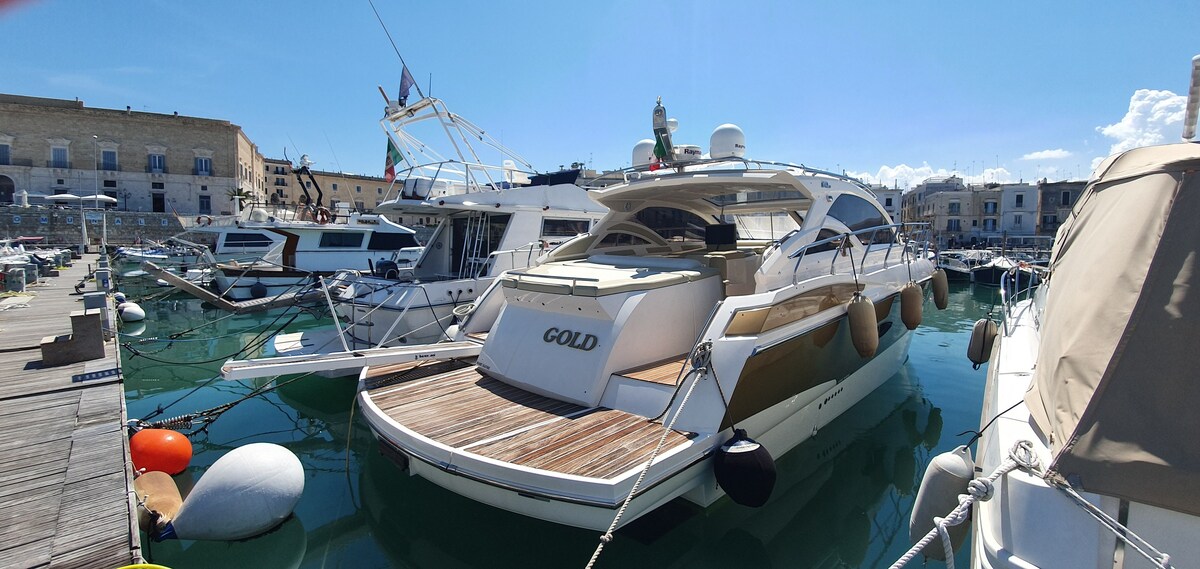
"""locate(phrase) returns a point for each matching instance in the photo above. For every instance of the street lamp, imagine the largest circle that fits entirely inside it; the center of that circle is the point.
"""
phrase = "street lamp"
(96, 155)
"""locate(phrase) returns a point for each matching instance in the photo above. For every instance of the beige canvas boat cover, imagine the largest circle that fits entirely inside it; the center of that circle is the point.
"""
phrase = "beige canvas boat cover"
(1117, 386)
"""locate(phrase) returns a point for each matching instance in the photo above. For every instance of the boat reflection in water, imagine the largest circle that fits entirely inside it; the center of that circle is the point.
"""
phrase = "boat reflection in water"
(841, 500)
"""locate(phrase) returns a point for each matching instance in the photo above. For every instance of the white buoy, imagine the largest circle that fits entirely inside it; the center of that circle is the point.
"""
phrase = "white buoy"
(946, 477)
(132, 312)
(245, 493)
(119, 297)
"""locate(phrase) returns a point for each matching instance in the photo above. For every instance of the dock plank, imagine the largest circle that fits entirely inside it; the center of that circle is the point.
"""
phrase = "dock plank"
(64, 479)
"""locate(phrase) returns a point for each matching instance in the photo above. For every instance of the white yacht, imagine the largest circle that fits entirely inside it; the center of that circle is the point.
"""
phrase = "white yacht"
(490, 219)
(719, 299)
(295, 245)
(1092, 376)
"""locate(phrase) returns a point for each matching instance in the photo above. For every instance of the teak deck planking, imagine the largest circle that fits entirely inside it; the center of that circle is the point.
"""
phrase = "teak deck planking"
(665, 371)
(64, 483)
(475, 413)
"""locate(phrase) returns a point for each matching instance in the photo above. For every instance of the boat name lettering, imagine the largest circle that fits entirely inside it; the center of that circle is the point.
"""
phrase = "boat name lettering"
(424, 356)
(570, 339)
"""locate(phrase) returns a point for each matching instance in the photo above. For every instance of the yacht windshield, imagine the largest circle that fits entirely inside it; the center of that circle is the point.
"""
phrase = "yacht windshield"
(768, 225)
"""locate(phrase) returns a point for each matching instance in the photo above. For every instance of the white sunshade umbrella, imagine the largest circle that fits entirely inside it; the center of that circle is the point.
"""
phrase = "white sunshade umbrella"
(63, 198)
(101, 198)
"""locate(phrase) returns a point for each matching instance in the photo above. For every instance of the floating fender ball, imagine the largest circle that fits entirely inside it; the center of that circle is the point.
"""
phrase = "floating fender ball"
(911, 300)
(119, 297)
(160, 450)
(258, 290)
(863, 329)
(745, 470)
(159, 498)
(941, 290)
(245, 493)
(983, 334)
(121, 306)
(946, 477)
(132, 313)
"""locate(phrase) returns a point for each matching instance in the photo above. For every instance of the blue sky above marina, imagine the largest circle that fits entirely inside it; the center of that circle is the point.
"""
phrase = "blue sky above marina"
(888, 91)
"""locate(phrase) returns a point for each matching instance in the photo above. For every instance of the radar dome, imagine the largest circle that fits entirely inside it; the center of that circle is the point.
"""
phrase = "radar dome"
(643, 152)
(727, 141)
(673, 124)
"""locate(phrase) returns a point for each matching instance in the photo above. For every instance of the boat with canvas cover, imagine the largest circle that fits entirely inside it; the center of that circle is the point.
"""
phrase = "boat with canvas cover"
(1093, 375)
(720, 299)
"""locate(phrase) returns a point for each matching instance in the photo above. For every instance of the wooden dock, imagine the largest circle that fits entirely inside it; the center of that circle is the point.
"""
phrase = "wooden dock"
(65, 483)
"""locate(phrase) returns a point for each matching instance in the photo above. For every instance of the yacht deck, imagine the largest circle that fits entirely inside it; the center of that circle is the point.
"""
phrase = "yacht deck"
(472, 412)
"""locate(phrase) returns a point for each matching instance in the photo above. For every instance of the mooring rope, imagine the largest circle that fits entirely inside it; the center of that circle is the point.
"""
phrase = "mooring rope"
(608, 535)
(980, 489)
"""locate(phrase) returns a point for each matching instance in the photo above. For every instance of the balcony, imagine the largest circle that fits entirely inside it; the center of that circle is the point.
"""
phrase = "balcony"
(58, 164)
(28, 163)
(110, 167)
(199, 172)
(162, 170)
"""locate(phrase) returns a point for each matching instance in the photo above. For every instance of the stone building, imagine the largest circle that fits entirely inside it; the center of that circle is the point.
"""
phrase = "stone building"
(1019, 209)
(1055, 203)
(148, 162)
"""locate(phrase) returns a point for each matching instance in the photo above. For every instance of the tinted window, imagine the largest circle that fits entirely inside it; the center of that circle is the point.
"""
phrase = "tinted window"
(615, 239)
(564, 227)
(391, 241)
(857, 214)
(341, 239)
(673, 224)
(247, 240)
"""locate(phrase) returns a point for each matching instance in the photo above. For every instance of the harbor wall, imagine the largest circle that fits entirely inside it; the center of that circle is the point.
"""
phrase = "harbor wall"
(60, 226)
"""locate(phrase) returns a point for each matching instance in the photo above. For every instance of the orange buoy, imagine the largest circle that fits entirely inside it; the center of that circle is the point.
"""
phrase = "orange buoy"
(160, 450)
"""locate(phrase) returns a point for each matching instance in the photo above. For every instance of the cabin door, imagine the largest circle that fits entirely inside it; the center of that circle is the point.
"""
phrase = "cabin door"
(473, 239)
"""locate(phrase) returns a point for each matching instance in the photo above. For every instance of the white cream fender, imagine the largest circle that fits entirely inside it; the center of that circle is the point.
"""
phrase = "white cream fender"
(248, 491)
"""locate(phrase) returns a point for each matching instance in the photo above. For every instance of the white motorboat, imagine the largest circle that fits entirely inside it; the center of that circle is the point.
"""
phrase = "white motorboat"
(490, 220)
(301, 244)
(1092, 376)
(719, 299)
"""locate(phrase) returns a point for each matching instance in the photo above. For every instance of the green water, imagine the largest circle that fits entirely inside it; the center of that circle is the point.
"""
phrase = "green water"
(842, 499)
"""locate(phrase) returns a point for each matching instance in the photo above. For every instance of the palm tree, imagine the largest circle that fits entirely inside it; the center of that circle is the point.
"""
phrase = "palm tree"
(238, 195)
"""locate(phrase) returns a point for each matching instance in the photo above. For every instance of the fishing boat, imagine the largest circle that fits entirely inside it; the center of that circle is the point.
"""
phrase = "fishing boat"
(300, 244)
(722, 311)
(1092, 378)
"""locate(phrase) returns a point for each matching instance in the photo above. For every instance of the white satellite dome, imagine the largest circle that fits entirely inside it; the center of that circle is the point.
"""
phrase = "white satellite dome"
(727, 141)
(673, 124)
(643, 152)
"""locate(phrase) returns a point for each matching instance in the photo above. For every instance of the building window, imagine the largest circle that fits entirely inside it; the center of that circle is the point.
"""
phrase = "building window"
(206, 204)
(974, 223)
(203, 166)
(335, 187)
(1050, 221)
(1016, 221)
(379, 190)
(59, 158)
(1066, 198)
(887, 202)
(953, 225)
(5, 155)
(989, 207)
(204, 188)
(954, 209)
(108, 160)
(110, 183)
(157, 163)
(308, 184)
(1020, 200)
(358, 188)
(156, 185)
(989, 225)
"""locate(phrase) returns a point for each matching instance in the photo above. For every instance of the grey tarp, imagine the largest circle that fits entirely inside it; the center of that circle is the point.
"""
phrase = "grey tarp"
(1117, 385)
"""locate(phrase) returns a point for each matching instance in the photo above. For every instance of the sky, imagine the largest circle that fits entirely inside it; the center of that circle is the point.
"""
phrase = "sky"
(888, 91)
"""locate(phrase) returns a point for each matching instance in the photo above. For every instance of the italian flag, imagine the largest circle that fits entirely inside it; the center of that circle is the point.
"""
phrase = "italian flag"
(393, 157)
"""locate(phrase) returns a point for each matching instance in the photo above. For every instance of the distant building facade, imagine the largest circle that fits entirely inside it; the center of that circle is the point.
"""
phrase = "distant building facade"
(890, 199)
(1055, 202)
(148, 162)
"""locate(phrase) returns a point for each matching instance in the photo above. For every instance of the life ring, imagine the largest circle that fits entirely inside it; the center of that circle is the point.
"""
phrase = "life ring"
(204, 220)
(322, 216)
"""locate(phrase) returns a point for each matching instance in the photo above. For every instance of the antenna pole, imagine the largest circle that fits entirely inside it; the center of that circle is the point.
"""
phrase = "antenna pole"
(1193, 103)
(396, 49)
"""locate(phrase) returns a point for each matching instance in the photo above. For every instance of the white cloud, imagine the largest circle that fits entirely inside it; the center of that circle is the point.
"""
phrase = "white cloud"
(905, 176)
(1055, 154)
(1153, 118)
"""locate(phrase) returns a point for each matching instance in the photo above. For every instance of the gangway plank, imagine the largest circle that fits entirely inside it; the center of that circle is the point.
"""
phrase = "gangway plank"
(240, 307)
(266, 367)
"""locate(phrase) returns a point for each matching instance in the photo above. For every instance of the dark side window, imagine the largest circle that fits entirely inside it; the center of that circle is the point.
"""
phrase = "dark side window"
(673, 224)
(341, 239)
(563, 227)
(857, 214)
(247, 240)
(391, 241)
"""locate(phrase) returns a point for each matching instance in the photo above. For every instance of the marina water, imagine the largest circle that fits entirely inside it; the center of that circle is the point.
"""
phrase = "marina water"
(842, 500)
